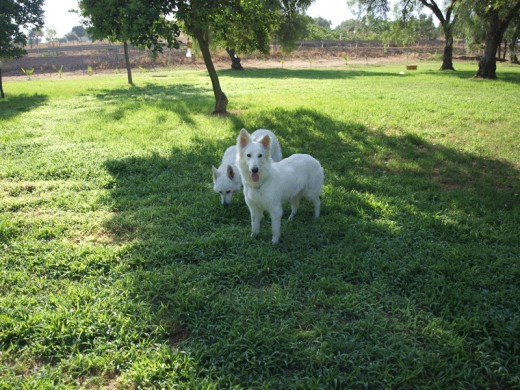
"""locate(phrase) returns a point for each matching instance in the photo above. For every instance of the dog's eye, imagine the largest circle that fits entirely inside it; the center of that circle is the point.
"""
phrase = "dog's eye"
(260, 155)
(248, 155)
(227, 192)
(220, 192)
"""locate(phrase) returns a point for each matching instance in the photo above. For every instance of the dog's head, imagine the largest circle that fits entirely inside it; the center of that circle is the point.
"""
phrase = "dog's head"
(253, 157)
(226, 182)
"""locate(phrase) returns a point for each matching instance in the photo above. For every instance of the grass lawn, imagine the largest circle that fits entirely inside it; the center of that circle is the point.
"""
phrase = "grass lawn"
(120, 269)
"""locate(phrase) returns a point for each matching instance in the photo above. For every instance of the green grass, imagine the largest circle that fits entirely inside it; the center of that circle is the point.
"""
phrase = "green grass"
(119, 268)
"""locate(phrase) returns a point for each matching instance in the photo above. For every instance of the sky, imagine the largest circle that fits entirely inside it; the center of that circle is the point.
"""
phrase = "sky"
(58, 17)
(335, 11)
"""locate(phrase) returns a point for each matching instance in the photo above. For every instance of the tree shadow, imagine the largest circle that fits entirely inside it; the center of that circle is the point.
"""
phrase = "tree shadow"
(14, 105)
(282, 73)
(184, 99)
(427, 227)
(502, 75)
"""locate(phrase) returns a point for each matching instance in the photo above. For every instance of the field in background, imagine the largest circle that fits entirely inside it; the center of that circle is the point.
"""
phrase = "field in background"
(103, 57)
(119, 268)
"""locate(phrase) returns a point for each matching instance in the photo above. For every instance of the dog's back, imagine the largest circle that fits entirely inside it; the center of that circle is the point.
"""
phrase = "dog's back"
(300, 175)
(276, 150)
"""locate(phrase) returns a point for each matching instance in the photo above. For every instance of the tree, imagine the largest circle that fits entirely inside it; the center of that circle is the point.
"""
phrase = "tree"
(235, 59)
(79, 31)
(17, 17)
(126, 21)
(445, 14)
(349, 28)
(512, 35)
(238, 24)
(323, 23)
(257, 24)
(495, 16)
(71, 37)
(51, 35)
(35, 35)
(447, 19)
(318, 29)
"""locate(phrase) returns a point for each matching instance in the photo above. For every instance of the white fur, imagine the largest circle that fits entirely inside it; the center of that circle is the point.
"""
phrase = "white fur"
(268, 184)
(226, 179)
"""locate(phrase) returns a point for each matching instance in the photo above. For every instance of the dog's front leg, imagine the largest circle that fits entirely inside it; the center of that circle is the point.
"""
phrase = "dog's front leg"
(276, 221)
(256, 218)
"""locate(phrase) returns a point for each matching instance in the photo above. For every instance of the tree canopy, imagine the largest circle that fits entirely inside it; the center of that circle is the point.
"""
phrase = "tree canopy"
(127, 21)
(17, 17)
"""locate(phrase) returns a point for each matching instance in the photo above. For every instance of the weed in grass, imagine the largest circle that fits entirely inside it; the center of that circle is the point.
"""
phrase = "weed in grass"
(120, 268)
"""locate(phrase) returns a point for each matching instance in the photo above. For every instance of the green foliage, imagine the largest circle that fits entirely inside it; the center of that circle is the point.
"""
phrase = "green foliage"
(407, 32)
(316, 29)
(16, 17)
(136, 21)
(412, 30)
(120, 269)
(79, 31)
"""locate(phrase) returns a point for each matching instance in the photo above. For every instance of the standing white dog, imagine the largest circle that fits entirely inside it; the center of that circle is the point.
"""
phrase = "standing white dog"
(226, 179)
(268, 184)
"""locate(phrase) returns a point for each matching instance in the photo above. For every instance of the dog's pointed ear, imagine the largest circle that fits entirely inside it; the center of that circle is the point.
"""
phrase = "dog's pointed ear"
(230, 172)
(266, 141)
(243, 138)
(215, 172)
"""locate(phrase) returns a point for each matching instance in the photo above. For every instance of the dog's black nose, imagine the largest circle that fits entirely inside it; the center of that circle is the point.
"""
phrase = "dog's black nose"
(254, 170)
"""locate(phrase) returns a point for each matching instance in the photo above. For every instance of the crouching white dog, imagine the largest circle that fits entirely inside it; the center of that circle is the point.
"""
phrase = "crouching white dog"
(268, 184)
(226, 179)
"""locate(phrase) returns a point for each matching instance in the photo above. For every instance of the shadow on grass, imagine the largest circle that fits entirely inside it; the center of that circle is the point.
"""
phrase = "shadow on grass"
(281, 73)
(184, 99)
(502, 75)
(14, 105)
(408, 277)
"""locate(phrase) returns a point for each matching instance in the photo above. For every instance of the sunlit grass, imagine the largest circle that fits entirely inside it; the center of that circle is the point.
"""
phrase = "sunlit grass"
(119, 268)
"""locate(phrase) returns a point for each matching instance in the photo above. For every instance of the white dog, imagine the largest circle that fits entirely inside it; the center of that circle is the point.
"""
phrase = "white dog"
(268, 184)
(226, 179)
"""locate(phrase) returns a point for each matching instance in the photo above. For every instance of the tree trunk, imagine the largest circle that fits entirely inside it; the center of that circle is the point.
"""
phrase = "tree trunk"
(127, 61)
(447, 58)
(235, 60)
(512, 50)
(1, 87)
(221, 100)
(487, 66)
(447, 24)
(496, 24)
